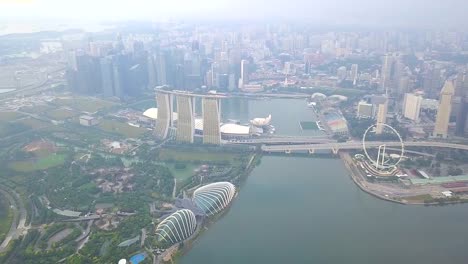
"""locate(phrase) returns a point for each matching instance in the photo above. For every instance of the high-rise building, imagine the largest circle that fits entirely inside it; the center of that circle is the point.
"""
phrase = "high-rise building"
(381, 116)
(443, 112)
(160, 64)
(244, 78)
(354, 73)
(211, 120)
(460, 104)
(412, 106)
(107, 76)
(186, 120)
(364, 109)
(385, 74)
(164, 118)
(432, 80)
(152, 73)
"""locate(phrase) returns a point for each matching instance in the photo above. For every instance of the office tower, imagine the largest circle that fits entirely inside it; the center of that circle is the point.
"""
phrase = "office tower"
(412, 106)
(386, 71)
(211, 120)
(186, 120)
(121, 75)
(381, 116)
(222, 82)
(152, 73)
(341, 73)
(164, 118)
(160, 64)
(364, 109)
(232, 82)
(245, 71)
(443, 112)
(107, 76)
(86, 79)
(117, 81)
(214, 73)
(354, 73)
(461, 109)
(432, 80)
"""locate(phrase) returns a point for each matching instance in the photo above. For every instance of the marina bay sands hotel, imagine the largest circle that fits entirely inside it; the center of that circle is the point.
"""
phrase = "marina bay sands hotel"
(185, 116)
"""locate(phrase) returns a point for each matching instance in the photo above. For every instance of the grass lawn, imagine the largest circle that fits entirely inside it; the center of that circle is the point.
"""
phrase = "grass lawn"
(34, 123)
(182, 174)
(120, 128)
(6, 217)
(9, 116)
(84, 104)
(37, 109)
(60, 114)
(309, 125)
(194, 155)
(43, 163)
(143, 105)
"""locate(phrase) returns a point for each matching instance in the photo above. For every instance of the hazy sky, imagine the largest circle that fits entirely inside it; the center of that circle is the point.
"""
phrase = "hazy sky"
(330, 12)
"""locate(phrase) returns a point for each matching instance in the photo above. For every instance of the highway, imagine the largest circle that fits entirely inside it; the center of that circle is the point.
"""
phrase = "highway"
(283, 140)
(335, 147)
(19, 219)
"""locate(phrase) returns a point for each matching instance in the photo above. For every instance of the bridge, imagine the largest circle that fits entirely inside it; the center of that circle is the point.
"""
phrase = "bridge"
(335, 147)
(283, 140)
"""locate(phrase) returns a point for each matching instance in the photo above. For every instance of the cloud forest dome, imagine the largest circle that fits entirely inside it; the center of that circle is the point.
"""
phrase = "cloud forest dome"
(214, 197)
(177, 227)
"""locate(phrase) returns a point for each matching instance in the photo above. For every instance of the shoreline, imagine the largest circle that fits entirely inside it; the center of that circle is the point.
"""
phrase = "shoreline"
(355, 177)
(357, 181)
(188, 244)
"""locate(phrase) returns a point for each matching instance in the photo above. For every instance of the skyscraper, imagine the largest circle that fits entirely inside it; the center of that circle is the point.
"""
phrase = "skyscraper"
(186, 120)
(386, 73)
(164, 119)
(354, 73)
(461, 109)
(211, 120)
(245, 71)
(107, 76)
(412, 106)
(381, 116)
(443, 112)
(364, 109)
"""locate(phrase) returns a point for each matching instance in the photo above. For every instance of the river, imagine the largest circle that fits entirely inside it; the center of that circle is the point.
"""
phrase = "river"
(308, 210)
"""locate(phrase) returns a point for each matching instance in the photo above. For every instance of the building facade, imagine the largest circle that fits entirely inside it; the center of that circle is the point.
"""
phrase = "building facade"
(443, 112)
(381, 117)
(412, 106)
(164, 118)
(186, 120)
(211, 121)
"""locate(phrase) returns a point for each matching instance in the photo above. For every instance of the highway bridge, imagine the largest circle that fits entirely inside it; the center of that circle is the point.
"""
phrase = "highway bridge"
(335, 147)
(283, 140)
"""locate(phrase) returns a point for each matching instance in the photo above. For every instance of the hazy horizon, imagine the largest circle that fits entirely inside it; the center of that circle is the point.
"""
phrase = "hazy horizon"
(397, 13)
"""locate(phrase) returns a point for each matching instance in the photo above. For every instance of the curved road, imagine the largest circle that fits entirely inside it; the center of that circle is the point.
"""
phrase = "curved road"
(19, 218)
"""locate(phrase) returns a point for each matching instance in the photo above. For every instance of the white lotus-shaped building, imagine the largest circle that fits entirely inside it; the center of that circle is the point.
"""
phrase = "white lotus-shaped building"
(177, 227)
(261, 121)
(214, 197)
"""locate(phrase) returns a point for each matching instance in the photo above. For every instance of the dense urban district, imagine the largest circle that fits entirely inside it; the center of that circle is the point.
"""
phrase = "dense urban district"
(116, 144)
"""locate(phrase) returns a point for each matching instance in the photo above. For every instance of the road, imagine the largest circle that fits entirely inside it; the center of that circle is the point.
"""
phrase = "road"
(284, 140)
(358, 145)
(17, 227)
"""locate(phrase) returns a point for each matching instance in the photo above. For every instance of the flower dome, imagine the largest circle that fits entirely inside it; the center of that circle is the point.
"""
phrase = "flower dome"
(214, 197)
(177, 227)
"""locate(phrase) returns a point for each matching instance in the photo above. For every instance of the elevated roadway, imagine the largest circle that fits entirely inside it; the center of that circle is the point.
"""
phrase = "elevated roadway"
(335, 147)
(283, 140)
